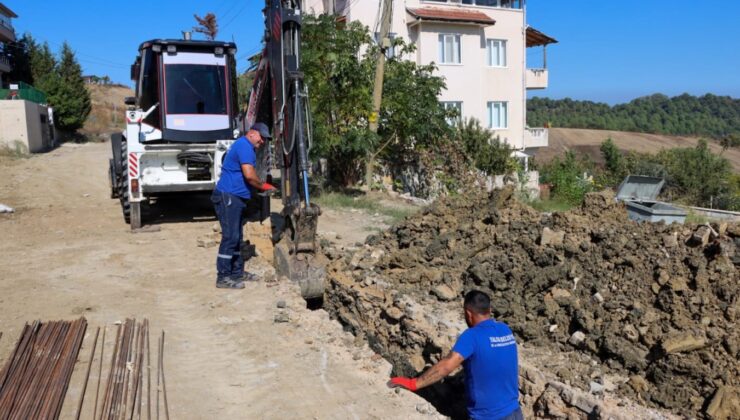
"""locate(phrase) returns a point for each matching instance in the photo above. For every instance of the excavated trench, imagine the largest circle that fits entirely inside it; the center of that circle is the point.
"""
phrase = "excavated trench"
(613, 317)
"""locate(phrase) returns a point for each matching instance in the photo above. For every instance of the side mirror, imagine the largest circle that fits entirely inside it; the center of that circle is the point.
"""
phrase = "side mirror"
(129, 100)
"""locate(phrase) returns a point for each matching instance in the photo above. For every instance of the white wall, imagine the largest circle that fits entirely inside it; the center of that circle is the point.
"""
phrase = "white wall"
(471, 82)
(20, 124)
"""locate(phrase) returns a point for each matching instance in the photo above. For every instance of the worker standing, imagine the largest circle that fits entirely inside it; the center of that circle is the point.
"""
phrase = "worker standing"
(488, 353)
(234, 189)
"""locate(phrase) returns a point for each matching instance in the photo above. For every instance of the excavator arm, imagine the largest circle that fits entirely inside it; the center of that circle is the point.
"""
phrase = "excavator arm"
(279, 97)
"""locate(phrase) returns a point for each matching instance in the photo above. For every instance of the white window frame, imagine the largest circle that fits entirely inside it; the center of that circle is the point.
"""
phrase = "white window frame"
(453, 104)
(501, 53)
(503, 114)
(442, 53)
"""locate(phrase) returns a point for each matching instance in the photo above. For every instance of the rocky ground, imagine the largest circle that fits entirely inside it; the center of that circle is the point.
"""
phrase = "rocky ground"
(615, 318)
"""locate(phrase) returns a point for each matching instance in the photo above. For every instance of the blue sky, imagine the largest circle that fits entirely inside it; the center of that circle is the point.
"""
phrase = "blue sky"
(610, 51)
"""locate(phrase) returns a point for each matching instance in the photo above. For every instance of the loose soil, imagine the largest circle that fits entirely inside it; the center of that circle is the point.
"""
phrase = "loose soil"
(66, 253)
(637, 311)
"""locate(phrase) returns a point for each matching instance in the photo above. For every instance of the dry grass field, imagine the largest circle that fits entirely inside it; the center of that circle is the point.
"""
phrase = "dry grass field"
(588, 142)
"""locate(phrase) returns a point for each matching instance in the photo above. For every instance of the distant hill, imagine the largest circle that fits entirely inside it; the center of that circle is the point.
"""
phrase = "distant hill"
(707, 116)
(107, 115)
(588, 142)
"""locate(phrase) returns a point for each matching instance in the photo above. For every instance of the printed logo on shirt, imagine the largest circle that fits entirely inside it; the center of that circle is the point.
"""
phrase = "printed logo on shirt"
(503, 341)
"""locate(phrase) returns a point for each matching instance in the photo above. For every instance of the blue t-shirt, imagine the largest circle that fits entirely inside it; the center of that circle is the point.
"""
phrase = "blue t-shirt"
(232, 179)
(491, 369)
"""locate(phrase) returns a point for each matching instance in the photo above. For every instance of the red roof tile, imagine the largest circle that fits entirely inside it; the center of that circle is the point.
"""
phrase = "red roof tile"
(451, 15)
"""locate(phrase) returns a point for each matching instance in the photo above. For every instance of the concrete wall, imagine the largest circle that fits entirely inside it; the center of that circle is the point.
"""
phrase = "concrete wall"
(24, 125)
(471, 82)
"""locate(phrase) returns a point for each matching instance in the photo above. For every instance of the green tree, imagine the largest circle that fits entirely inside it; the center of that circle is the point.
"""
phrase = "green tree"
(697, 173)
(339, 78)
(71, 101)
(338, 62)
(20, 56)
(44, 69)
(730, 141)
(486, 153)
(568, 177)
(616, 167)
(708, 115)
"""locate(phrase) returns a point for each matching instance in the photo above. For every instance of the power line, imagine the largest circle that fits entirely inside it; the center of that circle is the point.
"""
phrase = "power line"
(235, 16)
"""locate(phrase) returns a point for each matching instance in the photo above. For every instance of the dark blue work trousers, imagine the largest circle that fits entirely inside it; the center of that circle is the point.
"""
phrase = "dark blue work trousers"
(230, 211)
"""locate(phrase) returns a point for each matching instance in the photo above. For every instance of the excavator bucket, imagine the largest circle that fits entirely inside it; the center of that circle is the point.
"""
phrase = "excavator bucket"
(296, 255)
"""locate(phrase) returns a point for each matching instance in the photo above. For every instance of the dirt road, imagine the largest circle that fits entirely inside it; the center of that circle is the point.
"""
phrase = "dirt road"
(66, 253)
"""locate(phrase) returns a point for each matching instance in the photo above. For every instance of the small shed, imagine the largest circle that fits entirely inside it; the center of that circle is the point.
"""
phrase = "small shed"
(639, 194)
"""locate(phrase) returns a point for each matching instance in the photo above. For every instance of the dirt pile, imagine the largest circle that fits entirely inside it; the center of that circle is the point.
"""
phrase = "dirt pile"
(644, 311)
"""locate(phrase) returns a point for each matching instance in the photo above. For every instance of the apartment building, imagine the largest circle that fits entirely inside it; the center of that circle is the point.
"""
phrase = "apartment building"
(480, 48)
(7, 35)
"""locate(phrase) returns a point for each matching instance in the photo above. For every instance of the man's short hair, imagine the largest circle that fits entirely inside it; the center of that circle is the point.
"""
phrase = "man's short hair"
(478, 302)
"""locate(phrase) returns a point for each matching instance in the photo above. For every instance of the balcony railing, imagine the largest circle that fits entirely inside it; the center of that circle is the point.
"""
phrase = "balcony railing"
(7, 33)
(537, 78)
(4, 64)
(535, 137)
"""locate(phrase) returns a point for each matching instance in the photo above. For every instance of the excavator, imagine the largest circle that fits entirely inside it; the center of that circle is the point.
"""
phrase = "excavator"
(279, 98)
(184, 118)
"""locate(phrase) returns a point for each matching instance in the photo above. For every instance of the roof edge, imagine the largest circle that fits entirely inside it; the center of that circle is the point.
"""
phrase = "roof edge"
(483, 20)
(6, 11)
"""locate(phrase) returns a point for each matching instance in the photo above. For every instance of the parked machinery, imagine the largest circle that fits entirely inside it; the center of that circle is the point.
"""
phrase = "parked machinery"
(185, 105)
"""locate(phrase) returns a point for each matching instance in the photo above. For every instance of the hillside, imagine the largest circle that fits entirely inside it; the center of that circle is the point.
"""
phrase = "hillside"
(684, 115)
(588, 142)
(106, 115)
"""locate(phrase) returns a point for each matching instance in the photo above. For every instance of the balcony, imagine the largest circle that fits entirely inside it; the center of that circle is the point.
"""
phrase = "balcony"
(7, 34)
(535, 137)
(4, 64)
(536, 78)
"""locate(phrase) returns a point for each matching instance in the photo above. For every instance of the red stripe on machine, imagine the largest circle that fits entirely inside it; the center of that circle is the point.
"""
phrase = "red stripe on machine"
(133, 168)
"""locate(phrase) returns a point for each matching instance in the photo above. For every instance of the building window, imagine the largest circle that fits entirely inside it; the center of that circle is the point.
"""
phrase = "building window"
(453, 106)
(498, 115)
(449, 49)
(496, 52)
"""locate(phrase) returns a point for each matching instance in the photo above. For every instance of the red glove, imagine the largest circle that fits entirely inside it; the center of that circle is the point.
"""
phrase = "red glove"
(408, 383)
(267, 187)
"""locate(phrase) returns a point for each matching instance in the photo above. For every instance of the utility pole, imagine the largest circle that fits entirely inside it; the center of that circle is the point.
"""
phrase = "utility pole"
(384, 43)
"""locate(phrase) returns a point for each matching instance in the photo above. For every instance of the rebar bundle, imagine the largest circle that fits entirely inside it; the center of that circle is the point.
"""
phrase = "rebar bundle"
(34, 380)
(124, 396)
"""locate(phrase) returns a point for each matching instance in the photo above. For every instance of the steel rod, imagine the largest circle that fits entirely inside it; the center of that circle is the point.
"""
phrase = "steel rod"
(159, 374)
(100, 373)
(164, 384)
(148, 375)
(87, 374)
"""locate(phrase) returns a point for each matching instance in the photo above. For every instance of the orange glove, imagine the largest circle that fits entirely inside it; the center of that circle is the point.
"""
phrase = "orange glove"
(267, 187)
(400, 381)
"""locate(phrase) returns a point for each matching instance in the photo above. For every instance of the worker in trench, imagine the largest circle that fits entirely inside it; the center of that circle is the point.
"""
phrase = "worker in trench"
(237, 185)
(487, 350)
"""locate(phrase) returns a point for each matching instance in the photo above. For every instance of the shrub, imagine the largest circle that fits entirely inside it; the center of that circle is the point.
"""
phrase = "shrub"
(569, 177)
(486, 153)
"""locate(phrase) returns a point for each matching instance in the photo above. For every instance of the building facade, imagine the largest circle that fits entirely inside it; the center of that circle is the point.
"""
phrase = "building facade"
(7, 35)
(479, 47)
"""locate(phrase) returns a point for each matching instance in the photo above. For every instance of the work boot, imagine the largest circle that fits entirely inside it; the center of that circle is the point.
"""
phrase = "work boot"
(229, 283)
(246, 276)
